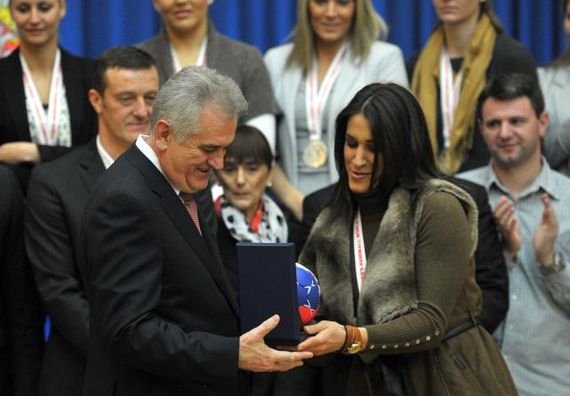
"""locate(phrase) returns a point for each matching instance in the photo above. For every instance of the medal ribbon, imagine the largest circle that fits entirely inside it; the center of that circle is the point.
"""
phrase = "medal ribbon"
(47, 123)
(315, 97)
(201, 61)
(359, 250)
(449, 92)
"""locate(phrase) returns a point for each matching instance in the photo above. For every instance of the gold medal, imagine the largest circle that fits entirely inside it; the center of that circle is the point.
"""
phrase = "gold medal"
(315, 154)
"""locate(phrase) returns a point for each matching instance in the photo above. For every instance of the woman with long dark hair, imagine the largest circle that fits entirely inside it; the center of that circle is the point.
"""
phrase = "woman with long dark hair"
(393, 252)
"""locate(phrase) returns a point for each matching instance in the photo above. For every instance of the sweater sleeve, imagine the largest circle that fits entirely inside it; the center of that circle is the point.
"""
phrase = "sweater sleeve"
(441, 262)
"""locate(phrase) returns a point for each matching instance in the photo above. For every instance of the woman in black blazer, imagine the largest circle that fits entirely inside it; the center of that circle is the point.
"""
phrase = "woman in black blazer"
(44, 108)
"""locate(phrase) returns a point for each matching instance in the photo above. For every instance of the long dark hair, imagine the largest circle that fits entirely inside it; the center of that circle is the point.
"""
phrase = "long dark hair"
(400, 134)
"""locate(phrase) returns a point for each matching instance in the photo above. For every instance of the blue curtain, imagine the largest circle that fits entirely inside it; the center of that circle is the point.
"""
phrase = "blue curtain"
(91, 26)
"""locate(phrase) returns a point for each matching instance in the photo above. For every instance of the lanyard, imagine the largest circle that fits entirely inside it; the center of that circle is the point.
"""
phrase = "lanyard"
(450, 91)
(201, 61)
(359, 250)
(315, 97)
(47, 123)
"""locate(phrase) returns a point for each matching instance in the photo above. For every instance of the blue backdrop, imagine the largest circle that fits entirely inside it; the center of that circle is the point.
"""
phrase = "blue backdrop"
(91, 26)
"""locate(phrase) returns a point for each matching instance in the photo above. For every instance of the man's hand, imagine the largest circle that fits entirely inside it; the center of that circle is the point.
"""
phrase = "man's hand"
(546, 233)
(327, 337)
(18, 152)
(256, 356)
(504, 214)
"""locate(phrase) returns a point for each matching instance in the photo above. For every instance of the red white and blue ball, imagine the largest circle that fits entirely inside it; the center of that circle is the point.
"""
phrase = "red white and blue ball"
(308, 294)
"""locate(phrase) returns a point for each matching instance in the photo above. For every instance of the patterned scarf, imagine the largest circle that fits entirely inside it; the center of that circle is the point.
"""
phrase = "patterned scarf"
(267, 225)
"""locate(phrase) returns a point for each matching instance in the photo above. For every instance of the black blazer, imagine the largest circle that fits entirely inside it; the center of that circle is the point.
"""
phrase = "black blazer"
(21, 315)
(14, 127)
(490, 268)
(163, 318)
(53, 224)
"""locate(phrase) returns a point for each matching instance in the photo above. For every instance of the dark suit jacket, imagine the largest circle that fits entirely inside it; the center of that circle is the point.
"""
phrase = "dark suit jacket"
(59, 192)
(163, 318)
(77, 78)
(490, 269)
(21, 316)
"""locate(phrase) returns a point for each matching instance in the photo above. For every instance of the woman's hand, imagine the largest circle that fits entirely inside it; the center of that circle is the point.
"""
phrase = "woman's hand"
(327, 337)
(18, 152)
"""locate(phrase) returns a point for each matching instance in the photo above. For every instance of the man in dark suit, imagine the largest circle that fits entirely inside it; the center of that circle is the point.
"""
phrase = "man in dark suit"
(21, 315)
(124, 88)
(164, 320)
(491, 271)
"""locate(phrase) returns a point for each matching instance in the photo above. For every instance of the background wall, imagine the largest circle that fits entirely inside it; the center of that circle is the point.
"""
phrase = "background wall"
(91, 26)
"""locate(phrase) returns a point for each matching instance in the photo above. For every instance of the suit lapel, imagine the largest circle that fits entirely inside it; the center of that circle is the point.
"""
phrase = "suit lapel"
(91, 166)
(343, 90)
(212, 49)
(164, 59)
(204, 246)
(12, 80)
(288, 89)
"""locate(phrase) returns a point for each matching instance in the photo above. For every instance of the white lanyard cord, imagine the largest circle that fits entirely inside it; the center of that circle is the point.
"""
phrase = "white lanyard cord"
(316, 97)
(450, 91)
(46, 122)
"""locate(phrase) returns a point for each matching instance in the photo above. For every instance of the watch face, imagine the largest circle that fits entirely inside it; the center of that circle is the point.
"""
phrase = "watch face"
(355, 347)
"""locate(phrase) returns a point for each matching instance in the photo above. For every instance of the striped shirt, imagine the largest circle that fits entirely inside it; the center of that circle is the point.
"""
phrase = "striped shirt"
(535, 336)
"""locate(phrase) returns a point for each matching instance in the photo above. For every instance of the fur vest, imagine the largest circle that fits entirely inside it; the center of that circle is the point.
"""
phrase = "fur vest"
(388, 289)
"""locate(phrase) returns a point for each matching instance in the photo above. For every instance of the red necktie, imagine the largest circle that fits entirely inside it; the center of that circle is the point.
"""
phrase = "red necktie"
(192, 208)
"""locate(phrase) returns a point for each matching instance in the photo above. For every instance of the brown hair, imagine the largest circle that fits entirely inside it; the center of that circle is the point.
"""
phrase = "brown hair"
(487, 8)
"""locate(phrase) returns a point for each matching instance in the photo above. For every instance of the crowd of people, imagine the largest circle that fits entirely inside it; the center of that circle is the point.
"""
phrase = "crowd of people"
(430, 198)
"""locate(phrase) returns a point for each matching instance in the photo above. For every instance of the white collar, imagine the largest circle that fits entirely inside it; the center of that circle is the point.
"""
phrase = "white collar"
(149, 153)
(103, 154)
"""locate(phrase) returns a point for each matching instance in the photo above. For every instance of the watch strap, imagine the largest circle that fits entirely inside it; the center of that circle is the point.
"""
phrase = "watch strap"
(558, 264)
(353, 343)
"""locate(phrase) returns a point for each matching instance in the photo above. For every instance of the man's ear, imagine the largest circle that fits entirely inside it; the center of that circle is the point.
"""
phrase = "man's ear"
(543, 121)
(162, 134)
(96, 100)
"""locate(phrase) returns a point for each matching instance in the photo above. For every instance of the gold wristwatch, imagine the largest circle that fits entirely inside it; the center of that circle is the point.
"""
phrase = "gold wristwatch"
(353, 340)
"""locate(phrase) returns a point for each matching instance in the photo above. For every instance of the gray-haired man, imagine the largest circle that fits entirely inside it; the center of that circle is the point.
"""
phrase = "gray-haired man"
(163, 316)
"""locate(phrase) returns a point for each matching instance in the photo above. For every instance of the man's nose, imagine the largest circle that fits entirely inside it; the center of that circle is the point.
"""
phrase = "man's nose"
(142, 109)
(504, 130)
(216, 160)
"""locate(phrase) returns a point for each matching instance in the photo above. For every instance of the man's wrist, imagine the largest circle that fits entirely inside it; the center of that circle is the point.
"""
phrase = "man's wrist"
(510, 255)
(552, 265)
